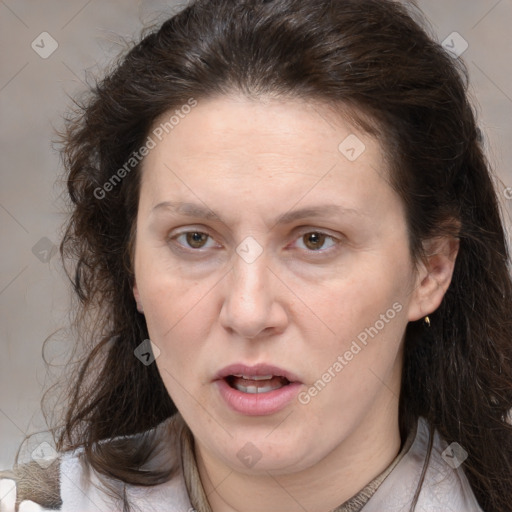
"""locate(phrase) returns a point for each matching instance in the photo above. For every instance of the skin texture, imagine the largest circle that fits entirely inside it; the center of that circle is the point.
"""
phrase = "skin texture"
(295, 306)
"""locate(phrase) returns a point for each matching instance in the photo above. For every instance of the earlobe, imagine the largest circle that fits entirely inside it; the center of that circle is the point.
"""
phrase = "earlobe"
(434, 276)
(137, 298)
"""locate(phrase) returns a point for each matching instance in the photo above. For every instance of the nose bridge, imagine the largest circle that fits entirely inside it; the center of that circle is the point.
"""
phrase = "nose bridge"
(249, 281)
(249, 305)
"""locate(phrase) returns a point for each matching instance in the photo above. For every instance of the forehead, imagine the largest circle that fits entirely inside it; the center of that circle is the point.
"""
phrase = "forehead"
(263, 130)
(264, 148)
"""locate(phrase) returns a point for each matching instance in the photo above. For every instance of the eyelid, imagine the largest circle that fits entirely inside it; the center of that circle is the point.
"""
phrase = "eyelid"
(336, 239)
(172, 237)
(311, 229)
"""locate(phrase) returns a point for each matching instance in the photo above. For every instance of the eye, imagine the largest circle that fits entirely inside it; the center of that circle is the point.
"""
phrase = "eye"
(315, 240)
(192, 239)
(312, 241)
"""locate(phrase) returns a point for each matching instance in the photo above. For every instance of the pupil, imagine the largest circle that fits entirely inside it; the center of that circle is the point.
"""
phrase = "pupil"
(315, 239)
(196, 239)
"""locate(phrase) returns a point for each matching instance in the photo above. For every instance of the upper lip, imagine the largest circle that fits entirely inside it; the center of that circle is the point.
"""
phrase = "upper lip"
(257, 370)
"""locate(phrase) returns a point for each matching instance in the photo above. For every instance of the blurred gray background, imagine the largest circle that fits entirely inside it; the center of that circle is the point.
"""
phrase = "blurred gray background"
(47, 47)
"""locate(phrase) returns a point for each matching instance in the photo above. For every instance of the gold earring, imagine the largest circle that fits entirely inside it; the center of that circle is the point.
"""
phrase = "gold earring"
(427, 321)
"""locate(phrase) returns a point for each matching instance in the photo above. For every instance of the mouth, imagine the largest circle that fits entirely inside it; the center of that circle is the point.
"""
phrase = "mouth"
(256, 384)
(258, 390)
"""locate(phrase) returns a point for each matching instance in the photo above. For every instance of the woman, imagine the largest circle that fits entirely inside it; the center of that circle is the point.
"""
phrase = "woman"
(290, 200)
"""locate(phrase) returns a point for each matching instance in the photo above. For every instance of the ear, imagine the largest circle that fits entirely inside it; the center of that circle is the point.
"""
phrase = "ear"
(137, 298)
(434, 276)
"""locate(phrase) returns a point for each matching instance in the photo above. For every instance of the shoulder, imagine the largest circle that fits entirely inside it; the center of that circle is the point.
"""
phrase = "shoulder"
(445, 487)
(72, 486)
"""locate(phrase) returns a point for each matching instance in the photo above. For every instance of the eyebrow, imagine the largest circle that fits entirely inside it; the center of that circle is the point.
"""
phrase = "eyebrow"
(199, 211)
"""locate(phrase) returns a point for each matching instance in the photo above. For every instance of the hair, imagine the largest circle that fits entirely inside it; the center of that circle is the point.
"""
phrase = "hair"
(372, 58)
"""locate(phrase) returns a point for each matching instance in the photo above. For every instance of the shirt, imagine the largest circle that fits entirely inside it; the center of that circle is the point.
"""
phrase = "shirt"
(67, 486)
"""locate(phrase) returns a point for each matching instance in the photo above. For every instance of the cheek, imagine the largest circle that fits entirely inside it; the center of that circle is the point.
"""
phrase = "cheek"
(170, 304)
(363, 321)
(179, 313)
(372, 294)
(178, 324)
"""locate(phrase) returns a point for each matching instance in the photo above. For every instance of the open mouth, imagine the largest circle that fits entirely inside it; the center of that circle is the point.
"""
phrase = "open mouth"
(257, 390)
(256, 384)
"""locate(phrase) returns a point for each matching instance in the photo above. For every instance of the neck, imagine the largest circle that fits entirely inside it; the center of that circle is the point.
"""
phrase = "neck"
(354, 463)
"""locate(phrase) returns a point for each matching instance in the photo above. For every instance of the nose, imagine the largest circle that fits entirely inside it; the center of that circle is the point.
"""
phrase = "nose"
(252, 307)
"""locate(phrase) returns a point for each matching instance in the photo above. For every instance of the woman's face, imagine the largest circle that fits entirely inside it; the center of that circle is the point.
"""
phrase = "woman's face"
(273, 268)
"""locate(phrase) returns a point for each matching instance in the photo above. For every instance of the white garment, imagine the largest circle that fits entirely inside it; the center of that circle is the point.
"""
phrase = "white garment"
(445, 489)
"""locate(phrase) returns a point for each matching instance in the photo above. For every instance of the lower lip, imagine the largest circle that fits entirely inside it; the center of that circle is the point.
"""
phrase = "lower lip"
(258, 404)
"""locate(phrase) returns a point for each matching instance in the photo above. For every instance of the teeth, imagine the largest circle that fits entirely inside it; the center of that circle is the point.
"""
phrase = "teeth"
(254, 389)
(256, 385)
(255, 377)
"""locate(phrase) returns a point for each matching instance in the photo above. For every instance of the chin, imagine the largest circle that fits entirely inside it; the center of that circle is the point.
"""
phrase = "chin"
(257, 455)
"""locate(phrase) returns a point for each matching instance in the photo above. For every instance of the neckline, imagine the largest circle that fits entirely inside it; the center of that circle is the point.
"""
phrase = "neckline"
(199, 500)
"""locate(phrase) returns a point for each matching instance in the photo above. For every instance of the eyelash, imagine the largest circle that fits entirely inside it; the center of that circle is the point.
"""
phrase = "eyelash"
(335, 240)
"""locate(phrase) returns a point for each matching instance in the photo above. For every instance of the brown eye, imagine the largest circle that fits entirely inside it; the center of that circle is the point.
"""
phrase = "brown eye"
(314, 240)
(195, 239)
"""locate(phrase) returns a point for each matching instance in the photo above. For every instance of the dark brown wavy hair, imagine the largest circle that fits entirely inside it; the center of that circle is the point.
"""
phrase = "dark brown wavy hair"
(377, 60)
